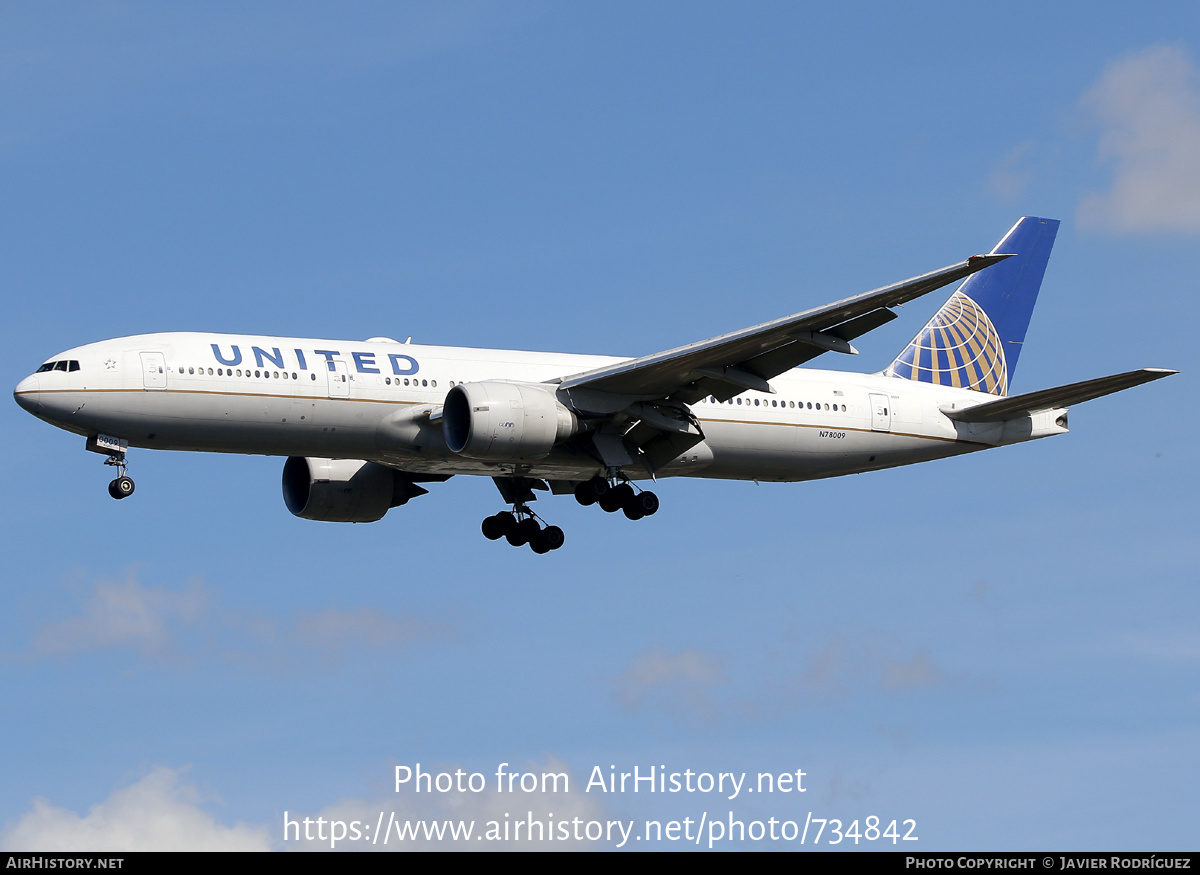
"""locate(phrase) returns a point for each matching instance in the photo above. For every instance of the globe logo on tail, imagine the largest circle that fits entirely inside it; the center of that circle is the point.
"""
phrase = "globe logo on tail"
(959, 347)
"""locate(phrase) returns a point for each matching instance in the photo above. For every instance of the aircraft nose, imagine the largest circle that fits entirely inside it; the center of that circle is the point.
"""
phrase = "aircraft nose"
(28, 394)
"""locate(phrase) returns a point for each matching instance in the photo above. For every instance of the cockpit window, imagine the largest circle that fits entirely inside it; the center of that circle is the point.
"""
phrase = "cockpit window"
(65, 365)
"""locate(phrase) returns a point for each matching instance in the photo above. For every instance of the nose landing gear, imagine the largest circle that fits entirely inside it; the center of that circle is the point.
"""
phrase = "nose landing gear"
(113, 449)
(122, 487)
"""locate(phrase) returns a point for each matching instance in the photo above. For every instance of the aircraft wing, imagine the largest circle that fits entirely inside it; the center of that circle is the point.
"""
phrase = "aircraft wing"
(730, 364)
(1059, 396)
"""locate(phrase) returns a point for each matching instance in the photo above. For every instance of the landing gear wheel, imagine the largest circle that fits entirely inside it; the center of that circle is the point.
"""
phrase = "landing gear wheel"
(496, 527)
(122, 487)
(590, 491)
(523, 532)
(549, 538)
(646, 504)
(616, 498)
(553, 537)
(585, 494)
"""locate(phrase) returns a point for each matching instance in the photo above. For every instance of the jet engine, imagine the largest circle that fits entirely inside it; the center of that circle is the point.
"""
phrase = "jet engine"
(344, 490)
(500, 421)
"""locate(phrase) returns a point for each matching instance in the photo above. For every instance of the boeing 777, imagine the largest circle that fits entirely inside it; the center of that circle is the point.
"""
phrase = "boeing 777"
(364, 424)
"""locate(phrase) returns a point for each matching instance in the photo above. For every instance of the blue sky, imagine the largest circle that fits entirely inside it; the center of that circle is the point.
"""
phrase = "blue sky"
(1002, 647)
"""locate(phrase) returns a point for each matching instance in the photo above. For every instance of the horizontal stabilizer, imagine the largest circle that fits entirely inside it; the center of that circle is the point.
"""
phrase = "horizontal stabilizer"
(1060, 396)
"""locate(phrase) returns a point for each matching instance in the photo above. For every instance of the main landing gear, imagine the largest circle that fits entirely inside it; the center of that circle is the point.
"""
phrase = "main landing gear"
(612, 498)
(519, 527)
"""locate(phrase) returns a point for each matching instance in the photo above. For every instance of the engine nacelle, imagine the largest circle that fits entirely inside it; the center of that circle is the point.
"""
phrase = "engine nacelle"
(500, 421)
(343, 490)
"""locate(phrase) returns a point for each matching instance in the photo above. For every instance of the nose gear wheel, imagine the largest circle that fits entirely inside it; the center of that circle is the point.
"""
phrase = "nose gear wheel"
(122, 486)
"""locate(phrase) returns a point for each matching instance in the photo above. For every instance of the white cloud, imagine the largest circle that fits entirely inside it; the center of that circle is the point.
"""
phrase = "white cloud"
(331, 629)
(59, 73)
(164, 624)
(843, 667)
(1172, 647)
(161, 812)
(488, 810)
(905, 674)
(124, 613)
(158, 813)
(1148, 107)
(1012, 177)
(679, 682)
(695, 685)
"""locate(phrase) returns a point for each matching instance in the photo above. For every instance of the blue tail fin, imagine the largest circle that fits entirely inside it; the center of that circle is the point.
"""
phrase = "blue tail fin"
(973, 342)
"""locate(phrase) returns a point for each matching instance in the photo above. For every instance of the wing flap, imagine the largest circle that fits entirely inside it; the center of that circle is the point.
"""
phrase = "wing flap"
(1059, 396)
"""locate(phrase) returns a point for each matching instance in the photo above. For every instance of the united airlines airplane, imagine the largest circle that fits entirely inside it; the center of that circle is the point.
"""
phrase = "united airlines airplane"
(364, 424)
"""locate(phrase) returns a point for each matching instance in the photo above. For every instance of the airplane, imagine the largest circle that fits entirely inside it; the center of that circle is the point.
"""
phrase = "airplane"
(364, 424)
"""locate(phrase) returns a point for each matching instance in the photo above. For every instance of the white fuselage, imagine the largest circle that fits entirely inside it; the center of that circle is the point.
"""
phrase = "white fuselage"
(373, 400)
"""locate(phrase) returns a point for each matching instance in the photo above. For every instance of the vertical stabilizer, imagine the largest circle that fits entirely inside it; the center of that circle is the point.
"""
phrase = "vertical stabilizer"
(974, 340)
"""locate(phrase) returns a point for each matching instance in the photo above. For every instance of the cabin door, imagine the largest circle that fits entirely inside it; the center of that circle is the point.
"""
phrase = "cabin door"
(154, 370)
(881, 413)
(339, 379)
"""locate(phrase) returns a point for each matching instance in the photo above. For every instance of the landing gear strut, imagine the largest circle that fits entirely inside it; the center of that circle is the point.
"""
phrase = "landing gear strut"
(613, 497)
(122, 487)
